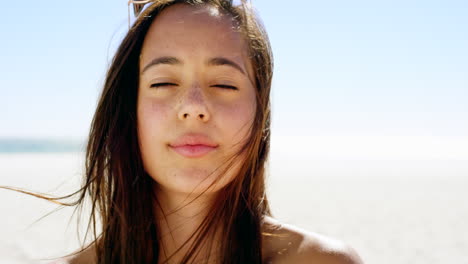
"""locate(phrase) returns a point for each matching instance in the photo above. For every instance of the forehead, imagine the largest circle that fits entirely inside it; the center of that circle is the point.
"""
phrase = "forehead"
(189, 31)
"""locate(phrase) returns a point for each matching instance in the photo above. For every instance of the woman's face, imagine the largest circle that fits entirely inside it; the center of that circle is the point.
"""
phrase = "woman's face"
(196, 98)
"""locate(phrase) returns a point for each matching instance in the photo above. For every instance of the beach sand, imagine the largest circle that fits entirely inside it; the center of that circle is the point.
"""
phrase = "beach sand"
(400, 211)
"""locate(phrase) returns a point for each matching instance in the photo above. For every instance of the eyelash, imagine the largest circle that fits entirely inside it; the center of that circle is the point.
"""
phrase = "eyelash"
(227, 87)
(155, 85)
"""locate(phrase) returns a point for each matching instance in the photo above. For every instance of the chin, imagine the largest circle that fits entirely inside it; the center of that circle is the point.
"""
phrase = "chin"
(190, 180)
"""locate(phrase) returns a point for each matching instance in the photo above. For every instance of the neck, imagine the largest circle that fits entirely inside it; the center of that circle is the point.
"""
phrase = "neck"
(179, 215)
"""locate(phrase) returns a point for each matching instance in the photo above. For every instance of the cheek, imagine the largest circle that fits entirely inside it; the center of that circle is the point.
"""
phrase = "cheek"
(152, 116)
(237, 120)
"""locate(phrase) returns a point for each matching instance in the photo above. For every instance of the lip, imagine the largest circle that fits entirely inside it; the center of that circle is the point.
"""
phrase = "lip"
(193, 151)
(193, 145)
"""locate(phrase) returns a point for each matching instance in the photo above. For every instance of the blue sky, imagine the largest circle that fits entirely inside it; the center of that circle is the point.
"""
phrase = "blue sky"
(359, 69)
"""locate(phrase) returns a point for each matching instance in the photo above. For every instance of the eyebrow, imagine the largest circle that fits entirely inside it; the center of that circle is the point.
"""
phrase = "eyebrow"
(162, 60)
(217, 61)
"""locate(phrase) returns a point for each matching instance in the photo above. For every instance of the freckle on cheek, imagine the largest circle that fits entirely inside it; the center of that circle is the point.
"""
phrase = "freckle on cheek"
(156, 110)
(154, 107)
(149, 106)
(147, 110)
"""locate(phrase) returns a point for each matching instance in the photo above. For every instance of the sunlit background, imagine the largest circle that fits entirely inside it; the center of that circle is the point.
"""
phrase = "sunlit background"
(370, 115)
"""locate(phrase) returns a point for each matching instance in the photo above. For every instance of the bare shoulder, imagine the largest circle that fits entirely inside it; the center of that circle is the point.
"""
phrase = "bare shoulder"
(283, 243)
(87, 256)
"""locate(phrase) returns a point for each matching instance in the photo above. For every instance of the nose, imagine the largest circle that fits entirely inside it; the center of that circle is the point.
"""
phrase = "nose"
(193, 105)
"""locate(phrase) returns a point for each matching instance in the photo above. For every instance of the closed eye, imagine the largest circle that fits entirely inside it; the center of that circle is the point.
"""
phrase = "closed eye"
(155, 85)
(226, 86)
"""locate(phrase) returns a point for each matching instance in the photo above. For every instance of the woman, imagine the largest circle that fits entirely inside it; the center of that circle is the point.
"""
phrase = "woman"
(175, 162)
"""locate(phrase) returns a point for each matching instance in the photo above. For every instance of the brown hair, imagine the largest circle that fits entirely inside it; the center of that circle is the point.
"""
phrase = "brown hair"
(115, 180)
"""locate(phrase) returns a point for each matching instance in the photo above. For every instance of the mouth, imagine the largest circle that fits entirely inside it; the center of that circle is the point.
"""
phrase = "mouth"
(193, 151)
